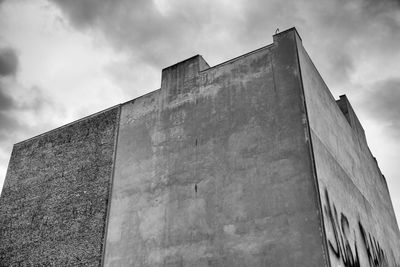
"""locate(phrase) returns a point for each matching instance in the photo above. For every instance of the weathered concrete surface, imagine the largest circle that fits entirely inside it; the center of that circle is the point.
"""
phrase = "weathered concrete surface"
(359, 220)
(54, 200)
(214, 169)
(248, 163)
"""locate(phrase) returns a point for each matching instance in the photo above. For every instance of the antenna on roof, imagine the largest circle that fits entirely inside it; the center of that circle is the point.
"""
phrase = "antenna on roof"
(277, 30)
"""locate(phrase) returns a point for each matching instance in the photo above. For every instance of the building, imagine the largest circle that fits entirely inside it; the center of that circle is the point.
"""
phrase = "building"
(248, 163)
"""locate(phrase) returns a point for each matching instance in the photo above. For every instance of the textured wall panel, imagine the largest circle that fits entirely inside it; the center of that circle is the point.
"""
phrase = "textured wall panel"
(54, 201)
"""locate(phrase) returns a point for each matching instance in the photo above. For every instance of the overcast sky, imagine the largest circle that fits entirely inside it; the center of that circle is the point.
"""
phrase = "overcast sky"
(62, 60)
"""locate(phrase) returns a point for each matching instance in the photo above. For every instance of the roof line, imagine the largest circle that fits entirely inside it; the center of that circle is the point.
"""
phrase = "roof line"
(237, 58)
(68, 124)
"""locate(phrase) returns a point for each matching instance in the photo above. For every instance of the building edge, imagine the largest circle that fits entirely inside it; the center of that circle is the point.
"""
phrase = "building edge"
(298, 45)
(350, 174)
(110, 186)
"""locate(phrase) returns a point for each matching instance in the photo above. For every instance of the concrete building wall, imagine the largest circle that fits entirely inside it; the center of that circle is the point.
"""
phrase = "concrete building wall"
(360, 224)
(247, 163)
(54, 200)
(214, 169)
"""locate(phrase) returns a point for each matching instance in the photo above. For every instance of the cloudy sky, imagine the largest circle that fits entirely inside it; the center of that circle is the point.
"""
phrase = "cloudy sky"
(62, 60)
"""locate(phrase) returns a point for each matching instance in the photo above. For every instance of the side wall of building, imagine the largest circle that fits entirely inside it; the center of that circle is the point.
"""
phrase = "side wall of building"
(214, 168)
(53, 204)
(359, 220)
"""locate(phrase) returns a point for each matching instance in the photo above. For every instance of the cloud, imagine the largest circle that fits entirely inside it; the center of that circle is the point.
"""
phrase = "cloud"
(381, 102)
(160, 33)
(13, 113)
(26, 113)
(372, 7)
(8, 61)
(20, 108)
(8, 125)
(341, 35)
(136, 26)
(34, 103)
(6, 102)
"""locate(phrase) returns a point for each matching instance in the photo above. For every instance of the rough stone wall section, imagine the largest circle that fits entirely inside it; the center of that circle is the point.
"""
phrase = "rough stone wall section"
(54, 202)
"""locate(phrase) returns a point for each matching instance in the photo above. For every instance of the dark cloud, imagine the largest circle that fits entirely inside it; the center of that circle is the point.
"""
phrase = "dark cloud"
(83, 13)
(36, 101)
(137, 26)
(8, 61)
(8, 121)
(338, 33)
(372, 7)
(383, 20)
(382, 104)
(7, 124)
(14, 112)
(6, 102)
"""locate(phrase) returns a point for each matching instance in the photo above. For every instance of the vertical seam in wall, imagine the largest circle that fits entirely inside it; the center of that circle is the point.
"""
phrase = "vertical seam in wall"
(312, 158)
(111, 183)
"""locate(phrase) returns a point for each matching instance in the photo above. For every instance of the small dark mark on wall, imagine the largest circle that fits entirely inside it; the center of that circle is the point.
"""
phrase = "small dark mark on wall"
(195, 188)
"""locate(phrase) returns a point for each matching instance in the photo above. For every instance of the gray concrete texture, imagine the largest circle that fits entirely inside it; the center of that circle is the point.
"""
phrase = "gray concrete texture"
(213, 169)
(247, 163)
(361, 228)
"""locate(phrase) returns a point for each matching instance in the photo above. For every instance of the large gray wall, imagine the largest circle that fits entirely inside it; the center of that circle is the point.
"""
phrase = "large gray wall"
(247, 163)
(54, 201)
(360, 224)
(214, 169)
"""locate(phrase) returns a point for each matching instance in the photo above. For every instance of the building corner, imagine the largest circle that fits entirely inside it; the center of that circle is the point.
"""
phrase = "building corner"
(287, 44)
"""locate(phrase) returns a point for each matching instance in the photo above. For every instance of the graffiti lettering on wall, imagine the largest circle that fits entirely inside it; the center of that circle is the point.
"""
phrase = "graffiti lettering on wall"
(375, 253)
(344, 243)
(340, 246)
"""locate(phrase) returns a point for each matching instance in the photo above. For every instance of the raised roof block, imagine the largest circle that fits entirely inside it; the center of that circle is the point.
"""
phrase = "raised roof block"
(181, 78)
